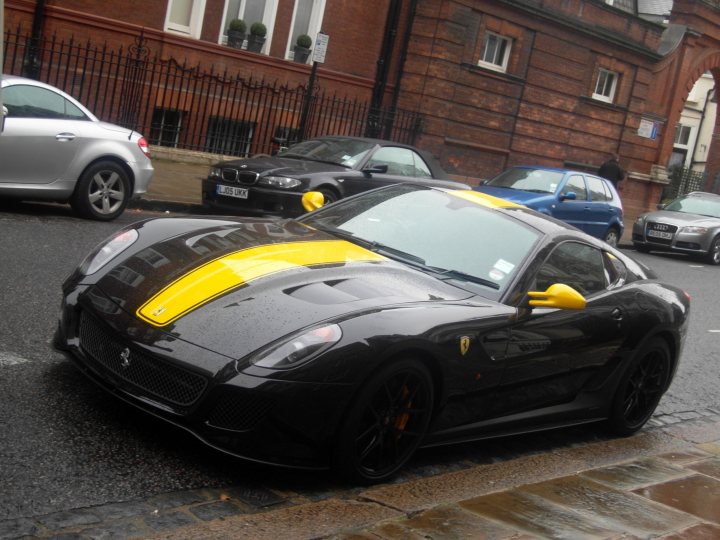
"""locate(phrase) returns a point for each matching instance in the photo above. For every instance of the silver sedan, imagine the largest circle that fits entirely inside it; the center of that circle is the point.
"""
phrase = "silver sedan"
(52, 148)
(689, 224)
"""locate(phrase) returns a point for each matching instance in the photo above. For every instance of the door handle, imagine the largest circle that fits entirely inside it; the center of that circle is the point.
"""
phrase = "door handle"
(617, 314)
(62, 137)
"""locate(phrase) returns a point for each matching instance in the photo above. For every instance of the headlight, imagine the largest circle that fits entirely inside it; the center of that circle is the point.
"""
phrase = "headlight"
(281, 182)
(298, 349)
(640, 220)
(106, 251)
(694, 230)
(215, 172)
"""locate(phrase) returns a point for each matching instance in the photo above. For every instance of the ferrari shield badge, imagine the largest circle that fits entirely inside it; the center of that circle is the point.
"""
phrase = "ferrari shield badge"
(464, 345)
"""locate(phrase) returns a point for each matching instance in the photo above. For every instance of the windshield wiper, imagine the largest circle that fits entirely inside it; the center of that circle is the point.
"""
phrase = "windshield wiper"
(458, 274)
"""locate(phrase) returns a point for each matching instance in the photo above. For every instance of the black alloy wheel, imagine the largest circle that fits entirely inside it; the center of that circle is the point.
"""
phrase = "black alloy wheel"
(386, 423)
(641, 388)
(329, 195)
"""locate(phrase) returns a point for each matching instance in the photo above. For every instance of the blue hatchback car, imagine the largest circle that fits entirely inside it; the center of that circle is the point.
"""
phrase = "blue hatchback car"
(584, 200)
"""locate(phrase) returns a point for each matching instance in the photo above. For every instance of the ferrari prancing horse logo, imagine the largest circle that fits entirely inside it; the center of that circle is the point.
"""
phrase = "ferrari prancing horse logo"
(464, 345)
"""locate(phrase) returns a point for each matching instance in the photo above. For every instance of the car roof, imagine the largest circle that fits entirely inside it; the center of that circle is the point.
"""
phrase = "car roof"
(702, 194)
(557, 169)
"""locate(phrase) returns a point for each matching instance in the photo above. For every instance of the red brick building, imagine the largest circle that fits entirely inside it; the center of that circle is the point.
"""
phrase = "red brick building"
(498, 82)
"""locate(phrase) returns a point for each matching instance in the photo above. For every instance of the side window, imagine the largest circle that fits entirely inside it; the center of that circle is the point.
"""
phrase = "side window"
(598, 191)
(24, 101)
(580, 266)
(615, 270)
(400, 161)
(576, 184)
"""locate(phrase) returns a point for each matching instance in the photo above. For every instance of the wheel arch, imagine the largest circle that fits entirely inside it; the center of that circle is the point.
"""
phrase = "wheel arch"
(115, 159)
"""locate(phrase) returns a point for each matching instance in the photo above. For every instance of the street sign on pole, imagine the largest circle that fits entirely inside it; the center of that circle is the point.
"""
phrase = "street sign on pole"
(321, 43)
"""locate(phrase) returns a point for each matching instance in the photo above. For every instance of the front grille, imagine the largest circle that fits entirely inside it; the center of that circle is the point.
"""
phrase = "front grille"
(241, 177)
(660, 233)
(169, 383)
(239, 410)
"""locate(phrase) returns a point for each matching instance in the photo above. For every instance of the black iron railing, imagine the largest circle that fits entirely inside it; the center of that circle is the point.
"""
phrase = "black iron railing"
(185, 107)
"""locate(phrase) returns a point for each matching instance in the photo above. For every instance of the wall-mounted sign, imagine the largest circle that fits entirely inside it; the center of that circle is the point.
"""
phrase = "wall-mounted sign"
(321, 43)
(648, 129)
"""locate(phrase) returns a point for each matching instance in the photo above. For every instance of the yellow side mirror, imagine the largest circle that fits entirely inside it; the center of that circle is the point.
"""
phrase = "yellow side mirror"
(559, 296)
(312, 200)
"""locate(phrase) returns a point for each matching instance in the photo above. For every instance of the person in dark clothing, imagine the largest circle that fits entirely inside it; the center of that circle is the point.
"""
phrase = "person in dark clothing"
(612, 170)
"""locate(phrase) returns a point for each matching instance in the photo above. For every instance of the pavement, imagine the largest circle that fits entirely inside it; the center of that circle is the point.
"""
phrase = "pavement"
(663, 482)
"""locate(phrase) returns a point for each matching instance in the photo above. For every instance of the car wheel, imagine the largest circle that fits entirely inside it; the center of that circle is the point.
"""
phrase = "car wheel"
(329, 195)
(102, 192)
(612, 237)
(641, 388)
(386, 423)
(713, 256)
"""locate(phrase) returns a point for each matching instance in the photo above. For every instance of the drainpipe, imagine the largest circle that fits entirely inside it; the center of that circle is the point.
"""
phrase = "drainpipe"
(383, 66)
(401, 62)
(31, 65)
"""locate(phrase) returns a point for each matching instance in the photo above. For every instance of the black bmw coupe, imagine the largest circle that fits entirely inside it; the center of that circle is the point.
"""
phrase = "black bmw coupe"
(402, 317)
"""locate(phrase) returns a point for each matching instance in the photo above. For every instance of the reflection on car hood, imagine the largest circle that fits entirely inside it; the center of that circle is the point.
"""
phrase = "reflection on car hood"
(252, 283)
(528, 198)
(680, 219)
(283, 166)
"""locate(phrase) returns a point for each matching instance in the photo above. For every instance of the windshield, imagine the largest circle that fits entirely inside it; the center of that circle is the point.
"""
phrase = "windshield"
(526, 179)
(696, 205)
(345, 152)
(445, 234)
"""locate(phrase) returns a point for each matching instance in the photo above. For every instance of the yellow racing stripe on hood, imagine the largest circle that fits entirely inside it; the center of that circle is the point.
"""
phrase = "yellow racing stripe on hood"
(222, 275)
(483, 199)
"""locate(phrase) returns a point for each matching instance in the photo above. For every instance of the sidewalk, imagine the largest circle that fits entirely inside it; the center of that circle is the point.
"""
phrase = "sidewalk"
(663, 482)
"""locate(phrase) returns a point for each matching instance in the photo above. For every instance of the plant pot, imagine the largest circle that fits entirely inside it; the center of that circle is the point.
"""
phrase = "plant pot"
(301, 54)
(255, 43)
(235, 39)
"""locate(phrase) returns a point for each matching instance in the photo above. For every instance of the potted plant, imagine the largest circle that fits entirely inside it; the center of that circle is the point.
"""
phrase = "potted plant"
(236, 33)
(256, 39)
(301, 50)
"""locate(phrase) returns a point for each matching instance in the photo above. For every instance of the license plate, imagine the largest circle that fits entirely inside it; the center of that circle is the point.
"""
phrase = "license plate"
(232, 191)
(660, 234)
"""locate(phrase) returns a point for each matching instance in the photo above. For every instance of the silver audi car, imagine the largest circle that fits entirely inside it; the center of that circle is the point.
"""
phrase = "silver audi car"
(52, 148)
(690, 224)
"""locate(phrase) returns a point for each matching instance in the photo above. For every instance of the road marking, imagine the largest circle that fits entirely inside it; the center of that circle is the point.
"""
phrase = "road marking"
(697, 266)
(714, 331)
(9, 359)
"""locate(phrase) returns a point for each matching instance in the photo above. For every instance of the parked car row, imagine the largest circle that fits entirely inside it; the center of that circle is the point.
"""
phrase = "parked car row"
(52, 148)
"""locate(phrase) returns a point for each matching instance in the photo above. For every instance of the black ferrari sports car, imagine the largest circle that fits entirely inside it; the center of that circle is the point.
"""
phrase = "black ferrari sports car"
(402, 317)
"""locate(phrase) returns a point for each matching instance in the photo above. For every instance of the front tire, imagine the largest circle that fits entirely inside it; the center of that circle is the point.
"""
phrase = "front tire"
(103, 191)
(641, 388)
(386, 423)
(713, 255)
(329, 195)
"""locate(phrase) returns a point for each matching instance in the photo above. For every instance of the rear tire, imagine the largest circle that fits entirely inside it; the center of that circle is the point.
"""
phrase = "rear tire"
(713, 255)
(386, 423)
(103, 191)
(641, 387)
(612, 237)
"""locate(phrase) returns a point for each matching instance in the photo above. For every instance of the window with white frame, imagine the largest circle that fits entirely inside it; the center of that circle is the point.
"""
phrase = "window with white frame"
(250, 11)
(495, 52)
(185, 17)
(307, 19)
(682, 135)
(605, 85)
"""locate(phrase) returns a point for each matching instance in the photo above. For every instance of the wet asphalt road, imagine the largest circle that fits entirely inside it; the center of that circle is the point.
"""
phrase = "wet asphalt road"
(65, 444)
